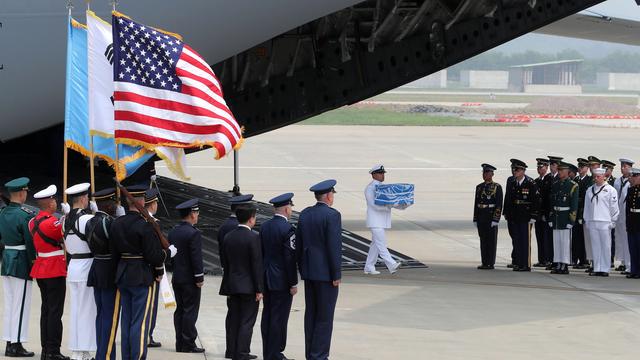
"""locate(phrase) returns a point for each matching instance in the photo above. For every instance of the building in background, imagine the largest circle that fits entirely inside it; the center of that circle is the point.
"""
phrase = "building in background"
(553, 77)
(618, 81)
(437, 80)
(484, 79)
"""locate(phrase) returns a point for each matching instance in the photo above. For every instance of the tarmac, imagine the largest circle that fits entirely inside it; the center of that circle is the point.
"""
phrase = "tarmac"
(449, 310)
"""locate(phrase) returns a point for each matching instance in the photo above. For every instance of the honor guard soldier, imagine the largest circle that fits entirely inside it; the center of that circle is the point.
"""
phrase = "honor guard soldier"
(594, 163)
(600, 214)
(378, 219)
(140, 264)
(188, 276)
(242, 281)
(609, 166)
(230, 224)
(82, 300)
(278, 239)
(583, 179)
(621, 185)
(520, 211)
(544, 237)
(632, 208)
(554, 161)
(563, 200)
(151, 204)
(487, 210)
(319, 252)
(102, 274)
(17, 258)
(50, 270)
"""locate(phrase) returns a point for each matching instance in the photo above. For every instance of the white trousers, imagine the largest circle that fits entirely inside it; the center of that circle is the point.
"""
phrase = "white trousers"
(587, 240)
(17, 306)
(562, 246)
(622, 246)
(600, 235)
(82, 327)
(378, 247)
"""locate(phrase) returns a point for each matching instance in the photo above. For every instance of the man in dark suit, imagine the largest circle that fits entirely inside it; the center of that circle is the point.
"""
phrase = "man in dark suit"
(319, 252)
(243, 280)
(281, 278)
(188, 276)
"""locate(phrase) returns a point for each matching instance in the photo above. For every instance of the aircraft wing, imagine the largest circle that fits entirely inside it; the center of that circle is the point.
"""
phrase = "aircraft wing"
(598, 28)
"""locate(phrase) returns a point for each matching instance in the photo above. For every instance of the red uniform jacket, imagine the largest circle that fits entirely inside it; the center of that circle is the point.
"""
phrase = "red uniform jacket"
(47, 239)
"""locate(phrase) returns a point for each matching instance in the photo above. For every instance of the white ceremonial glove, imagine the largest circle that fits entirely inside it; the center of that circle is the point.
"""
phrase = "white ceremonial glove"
(475, 223)
(173, 250)
(612, 225)
(580, 221)
(532, 221)
(120, 211)
(569, 226)
(494, 223)
(153, 177)
(66, 209)
(93, 206)
(550, 224)
(543, 218)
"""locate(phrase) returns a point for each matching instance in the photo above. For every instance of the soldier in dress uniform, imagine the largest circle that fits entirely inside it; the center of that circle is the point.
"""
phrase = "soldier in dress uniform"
(378, 219)
(563, 200)
(17, 258)
(554, 161)
(278, 239)
(102, 273)
(487, 210)
(578, 250)
(521, 211)
(609, 166)
(82, 300)
(319, 253)
(140, 264)
(621, 185)
(543, 236)
(50, 270)
(188, 276)
(230, 224)
(243, 280)
(600, 214)
(151, 204)
(632, 209)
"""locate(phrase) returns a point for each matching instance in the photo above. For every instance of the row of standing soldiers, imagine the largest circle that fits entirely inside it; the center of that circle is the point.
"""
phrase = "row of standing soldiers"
(583, 216)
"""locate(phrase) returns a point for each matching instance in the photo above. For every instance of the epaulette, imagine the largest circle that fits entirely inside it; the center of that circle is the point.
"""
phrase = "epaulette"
(27, 210)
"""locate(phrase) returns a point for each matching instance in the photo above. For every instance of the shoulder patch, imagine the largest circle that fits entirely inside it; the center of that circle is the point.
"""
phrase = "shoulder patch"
(27, 210)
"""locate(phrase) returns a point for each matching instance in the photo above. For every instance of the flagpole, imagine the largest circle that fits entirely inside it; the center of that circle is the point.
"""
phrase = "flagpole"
(64, 175)
(117, 166)
(92, 170)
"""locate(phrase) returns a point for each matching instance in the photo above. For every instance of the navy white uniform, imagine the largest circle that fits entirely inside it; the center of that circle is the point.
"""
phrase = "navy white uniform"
(188, 270)
(600, 214)
(319, 252)
(278, 240)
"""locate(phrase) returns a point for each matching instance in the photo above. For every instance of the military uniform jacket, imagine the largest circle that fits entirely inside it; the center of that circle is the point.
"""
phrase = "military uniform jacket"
(46, 232)
(601, 203)
(188, 267)
(141, 255)
(278, 238)
(632, 209)
(622, 187)
(487, 206)
(242, 263)
(230, 224)
(319, 243)
(377, 216)
(14, 232)
(102, 274)
(563, 201)
(76, 244)
(544, 189)
(583, 185)
(521, 200)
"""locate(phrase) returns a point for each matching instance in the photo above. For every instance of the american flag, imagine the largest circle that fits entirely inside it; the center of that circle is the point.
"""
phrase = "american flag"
(165, 93)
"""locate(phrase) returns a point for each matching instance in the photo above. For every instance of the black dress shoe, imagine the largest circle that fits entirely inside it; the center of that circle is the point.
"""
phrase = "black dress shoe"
(194, 350)
(16, 350)
(57, 356)
(589, 270)
(621, 268)
(154, 344)
(632, 276)
(251, 356)
(510, 266)
(539, 264)
(604, 274)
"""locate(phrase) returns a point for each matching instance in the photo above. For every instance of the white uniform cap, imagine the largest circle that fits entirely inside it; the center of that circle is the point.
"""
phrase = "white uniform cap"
(635, 171)
(377, 168)
(626, 161)
(78, 189)
(599, 171)
(46, 193)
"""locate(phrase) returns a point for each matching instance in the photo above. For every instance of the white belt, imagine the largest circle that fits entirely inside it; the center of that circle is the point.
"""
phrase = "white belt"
(486, 206)
(51, 254)
(635, 210)
(561, 208)
(15, 247)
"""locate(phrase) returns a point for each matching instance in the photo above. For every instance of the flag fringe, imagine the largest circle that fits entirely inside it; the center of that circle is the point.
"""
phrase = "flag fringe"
(175, 35)
(175, 168)
(198, 144)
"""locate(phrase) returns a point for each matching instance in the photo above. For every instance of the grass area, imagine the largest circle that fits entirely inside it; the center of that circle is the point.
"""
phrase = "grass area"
(385, 117)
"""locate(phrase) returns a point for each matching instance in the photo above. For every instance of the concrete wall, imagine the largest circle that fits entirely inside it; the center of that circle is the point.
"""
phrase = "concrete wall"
(483, 79)
(619, 81)
(553, 89)
(437, 80)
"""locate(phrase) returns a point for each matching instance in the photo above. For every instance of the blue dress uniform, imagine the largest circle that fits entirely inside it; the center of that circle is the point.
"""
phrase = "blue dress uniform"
(319, 253)
(544, 237)
(487, 210)
(520, 209)
(102, 276)
(188, 272)
(632, 207)
(141, 261)
(278, 239)
(230, 224)
(151, 196)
